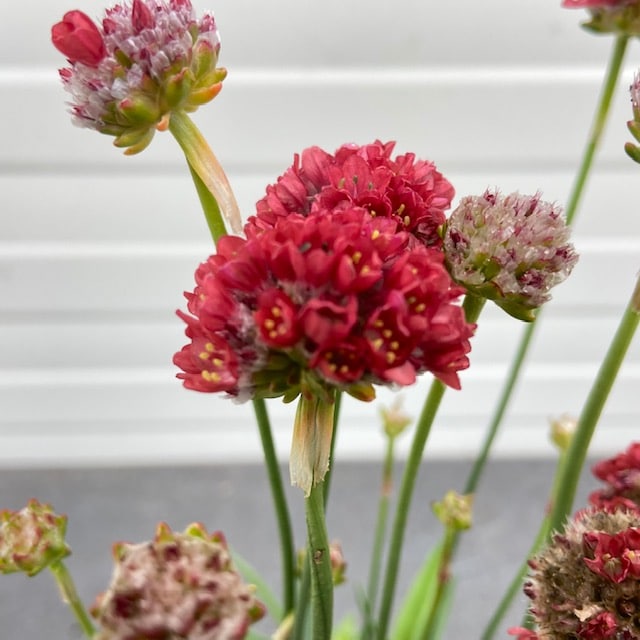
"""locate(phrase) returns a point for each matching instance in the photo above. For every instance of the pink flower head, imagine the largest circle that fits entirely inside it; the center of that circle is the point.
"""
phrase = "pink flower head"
(146, 59)
(411, 191)
(602, 625)
(522, 634)
(511, 249)
(609, 16)
(335, 299)
(32, 539)
(180, 585)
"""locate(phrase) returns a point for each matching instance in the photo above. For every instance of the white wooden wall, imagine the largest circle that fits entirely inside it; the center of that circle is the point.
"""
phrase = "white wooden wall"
(96, 248)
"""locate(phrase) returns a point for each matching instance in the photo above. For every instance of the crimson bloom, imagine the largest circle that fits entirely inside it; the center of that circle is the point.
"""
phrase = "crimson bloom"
(144, 60)
(621, 475)
(409, 190)
(337, 299)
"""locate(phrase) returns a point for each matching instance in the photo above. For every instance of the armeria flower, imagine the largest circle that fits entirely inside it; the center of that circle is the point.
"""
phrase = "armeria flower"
(180, 585)
(609, 16)
(586, 583)
(333, 300)
(411, 191)
(621, 474)
(146, 59)
(31, 539)
(510, 249)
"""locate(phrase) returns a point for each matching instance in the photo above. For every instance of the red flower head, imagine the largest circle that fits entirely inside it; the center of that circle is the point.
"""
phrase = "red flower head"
(78, 38)
(335, 299)
(621, 475)
(411, 191)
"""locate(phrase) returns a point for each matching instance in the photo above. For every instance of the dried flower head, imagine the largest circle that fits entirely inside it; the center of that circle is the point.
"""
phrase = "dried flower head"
(146, 59)
(621, 474)
(586, 583)
(332, 300)
(180, 585)
(31, 539)
(510, 249)
(409, 190)
(609, 16)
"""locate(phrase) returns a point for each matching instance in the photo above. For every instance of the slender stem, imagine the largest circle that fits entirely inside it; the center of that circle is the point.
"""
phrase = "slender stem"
(209, 206)
(299, 623)
(443, 580)
(602, 110)
(287, 550)
(204, 163)
(599, 121)
(379, 537)
(592, 409)
(320, 562)
(70, 596)
(501, 407)
(516, 584)
(473, 306)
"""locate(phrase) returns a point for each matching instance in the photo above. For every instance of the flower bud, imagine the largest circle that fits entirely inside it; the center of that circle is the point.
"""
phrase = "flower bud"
(633, 150)
(394, 420)
(510, 249)
(562, 430)
(180, 585)
(31, 539)
(147, 60)
(454, 511)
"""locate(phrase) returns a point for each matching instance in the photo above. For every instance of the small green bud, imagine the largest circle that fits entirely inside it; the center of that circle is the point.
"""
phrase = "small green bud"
(562, 430)
(394, 420)
(455, 511)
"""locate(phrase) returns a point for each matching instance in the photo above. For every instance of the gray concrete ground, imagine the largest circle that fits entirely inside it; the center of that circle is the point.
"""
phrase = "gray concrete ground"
(105, 505)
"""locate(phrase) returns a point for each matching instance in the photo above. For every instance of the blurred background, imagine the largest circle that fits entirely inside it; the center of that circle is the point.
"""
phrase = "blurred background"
(97, 248)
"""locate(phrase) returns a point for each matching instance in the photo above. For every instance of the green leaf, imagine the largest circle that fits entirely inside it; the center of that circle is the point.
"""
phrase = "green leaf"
(419, 599)
(346, 629)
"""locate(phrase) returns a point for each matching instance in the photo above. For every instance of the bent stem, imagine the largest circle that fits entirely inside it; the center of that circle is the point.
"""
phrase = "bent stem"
(319, 560)
(592, 410)
(287, 551)
(473, 306)
(210, 174)
(70, 596)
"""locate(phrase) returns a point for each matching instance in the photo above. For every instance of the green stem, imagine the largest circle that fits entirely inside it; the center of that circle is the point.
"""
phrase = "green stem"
(209, 207)
(443, 579)
(320, 562)
(70, 596)
(592, 409)
(600, 118)
(516, 584)
(299, 623)
(379, 537)
(287, 550)
(599, 121)
(473, 306)
(210, 174)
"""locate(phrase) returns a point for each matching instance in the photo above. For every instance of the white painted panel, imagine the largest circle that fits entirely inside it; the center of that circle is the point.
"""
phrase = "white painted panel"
(459, 121)
(122, 208)
(354, 33)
